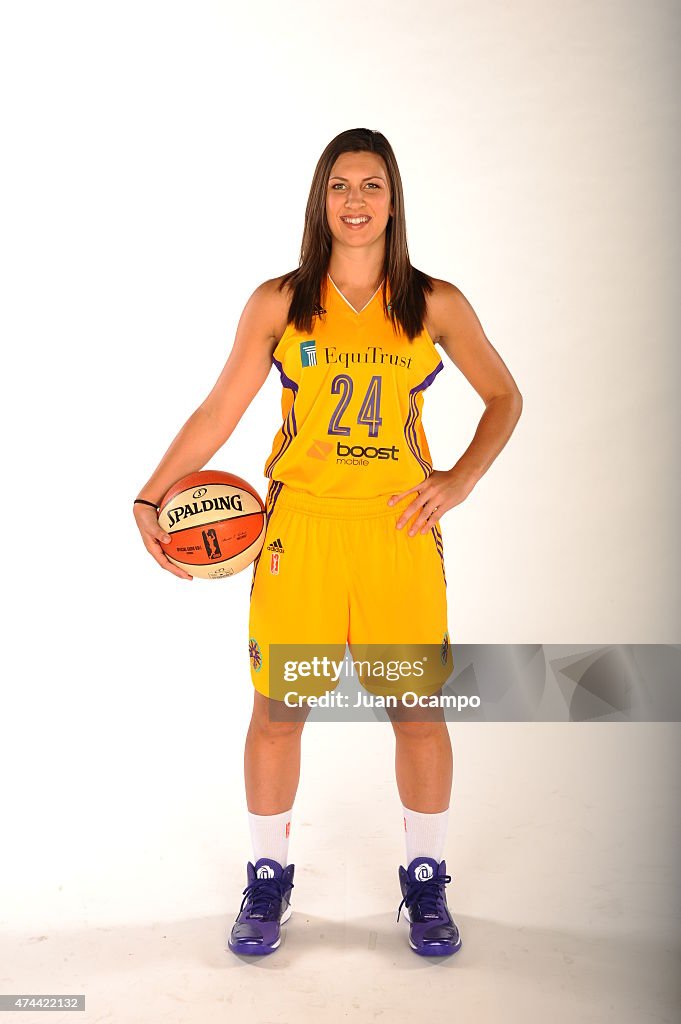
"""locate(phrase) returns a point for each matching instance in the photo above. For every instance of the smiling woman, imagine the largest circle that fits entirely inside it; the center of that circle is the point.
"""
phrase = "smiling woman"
(356, 220)
(355, 230)
(353, 334)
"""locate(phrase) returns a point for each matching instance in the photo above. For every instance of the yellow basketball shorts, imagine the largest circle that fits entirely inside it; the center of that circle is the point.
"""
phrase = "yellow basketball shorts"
(336, 571)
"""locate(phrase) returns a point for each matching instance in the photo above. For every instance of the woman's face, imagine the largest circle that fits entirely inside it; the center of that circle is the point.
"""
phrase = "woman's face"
(358, 187)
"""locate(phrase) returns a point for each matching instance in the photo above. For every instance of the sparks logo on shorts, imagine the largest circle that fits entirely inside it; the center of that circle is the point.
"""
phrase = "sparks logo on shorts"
(274, 563)
(319, 449)
(308, 353)
(255, 654)
(423, 872)
(444, 649)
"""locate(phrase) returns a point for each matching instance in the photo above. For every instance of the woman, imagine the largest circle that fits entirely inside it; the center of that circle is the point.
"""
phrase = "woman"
(353, 547)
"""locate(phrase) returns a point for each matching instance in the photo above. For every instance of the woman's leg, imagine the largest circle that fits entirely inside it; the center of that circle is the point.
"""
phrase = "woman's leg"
(272, 770)
(423, 768)
(271, 759)
(423, 765)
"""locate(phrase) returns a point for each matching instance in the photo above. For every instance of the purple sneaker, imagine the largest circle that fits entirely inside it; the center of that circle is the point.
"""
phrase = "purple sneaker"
(432, 929)
(265, 906)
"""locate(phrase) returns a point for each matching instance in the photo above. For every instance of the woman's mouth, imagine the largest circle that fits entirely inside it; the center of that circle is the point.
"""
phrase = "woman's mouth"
(356, 223)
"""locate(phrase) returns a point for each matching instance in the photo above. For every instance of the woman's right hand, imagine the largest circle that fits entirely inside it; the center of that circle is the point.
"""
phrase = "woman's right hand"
(155, 538)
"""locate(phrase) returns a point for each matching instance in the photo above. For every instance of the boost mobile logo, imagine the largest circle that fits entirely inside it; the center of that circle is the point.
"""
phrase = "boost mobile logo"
(180, 512)
(319, 449)
(357, 451)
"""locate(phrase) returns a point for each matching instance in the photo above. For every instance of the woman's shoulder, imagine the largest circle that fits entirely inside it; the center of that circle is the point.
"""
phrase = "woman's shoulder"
(439, 306)
(272, 299)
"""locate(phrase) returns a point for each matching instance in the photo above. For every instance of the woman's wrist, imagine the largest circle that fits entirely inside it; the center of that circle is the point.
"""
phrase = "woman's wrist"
(466, 472)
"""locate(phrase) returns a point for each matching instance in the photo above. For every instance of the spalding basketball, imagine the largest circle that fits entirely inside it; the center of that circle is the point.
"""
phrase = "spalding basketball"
(216, 522)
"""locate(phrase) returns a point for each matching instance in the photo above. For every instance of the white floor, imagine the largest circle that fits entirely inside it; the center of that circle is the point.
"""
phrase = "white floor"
(564, 851)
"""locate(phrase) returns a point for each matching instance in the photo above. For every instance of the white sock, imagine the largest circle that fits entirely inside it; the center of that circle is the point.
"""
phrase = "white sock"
(269, 835)
(425, 834)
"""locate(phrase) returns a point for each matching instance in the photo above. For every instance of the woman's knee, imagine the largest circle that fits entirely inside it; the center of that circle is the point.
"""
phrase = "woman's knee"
(274, 718)
(424, 730)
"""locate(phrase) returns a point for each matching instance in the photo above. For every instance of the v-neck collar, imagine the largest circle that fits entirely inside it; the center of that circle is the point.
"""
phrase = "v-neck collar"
(357, 312)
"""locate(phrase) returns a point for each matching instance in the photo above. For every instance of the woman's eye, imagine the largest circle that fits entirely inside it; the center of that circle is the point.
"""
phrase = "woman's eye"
(339, 184)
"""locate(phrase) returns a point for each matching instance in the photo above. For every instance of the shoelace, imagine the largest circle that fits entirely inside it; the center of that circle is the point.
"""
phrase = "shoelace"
(261, 894)
(427, 894)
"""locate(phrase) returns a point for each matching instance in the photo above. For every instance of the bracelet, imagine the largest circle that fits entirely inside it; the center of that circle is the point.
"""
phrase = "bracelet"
(141, 501)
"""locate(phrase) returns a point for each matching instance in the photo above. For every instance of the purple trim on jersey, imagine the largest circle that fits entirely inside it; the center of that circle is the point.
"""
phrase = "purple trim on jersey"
(288, 438)
(427, 381)
(437, 536)
(410, 426)
(286, 381)
(289, 427)
(412, 437)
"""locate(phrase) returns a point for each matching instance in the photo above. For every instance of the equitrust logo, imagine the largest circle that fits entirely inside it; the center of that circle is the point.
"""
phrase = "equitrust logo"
(308, 353)
(372, 355)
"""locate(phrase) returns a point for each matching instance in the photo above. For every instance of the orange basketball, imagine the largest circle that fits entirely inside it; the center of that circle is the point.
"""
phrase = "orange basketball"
(216, 522)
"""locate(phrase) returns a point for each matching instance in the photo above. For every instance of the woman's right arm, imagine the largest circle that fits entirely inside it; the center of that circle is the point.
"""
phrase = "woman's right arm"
(260, 326)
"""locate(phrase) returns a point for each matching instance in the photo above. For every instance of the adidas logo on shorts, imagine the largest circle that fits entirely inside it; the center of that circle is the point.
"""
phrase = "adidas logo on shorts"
(277, 549)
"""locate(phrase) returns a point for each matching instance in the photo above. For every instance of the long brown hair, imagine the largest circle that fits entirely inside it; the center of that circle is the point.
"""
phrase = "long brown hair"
(408, 286)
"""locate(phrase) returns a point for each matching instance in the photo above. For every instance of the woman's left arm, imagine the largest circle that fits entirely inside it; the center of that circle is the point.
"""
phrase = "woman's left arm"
(458, 330)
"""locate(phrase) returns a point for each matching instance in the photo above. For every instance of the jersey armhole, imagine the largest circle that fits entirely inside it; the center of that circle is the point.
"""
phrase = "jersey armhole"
(278, 349)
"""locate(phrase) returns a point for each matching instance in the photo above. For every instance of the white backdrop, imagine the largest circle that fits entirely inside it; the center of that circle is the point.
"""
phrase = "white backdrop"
(157, 162)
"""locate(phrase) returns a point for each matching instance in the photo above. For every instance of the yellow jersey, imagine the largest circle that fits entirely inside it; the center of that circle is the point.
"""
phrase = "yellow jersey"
(351, 402)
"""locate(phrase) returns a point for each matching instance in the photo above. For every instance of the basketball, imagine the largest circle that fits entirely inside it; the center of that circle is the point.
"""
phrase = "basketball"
(216, 522)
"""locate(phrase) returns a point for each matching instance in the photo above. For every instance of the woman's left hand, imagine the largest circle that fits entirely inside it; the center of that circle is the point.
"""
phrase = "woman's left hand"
(439, 492)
